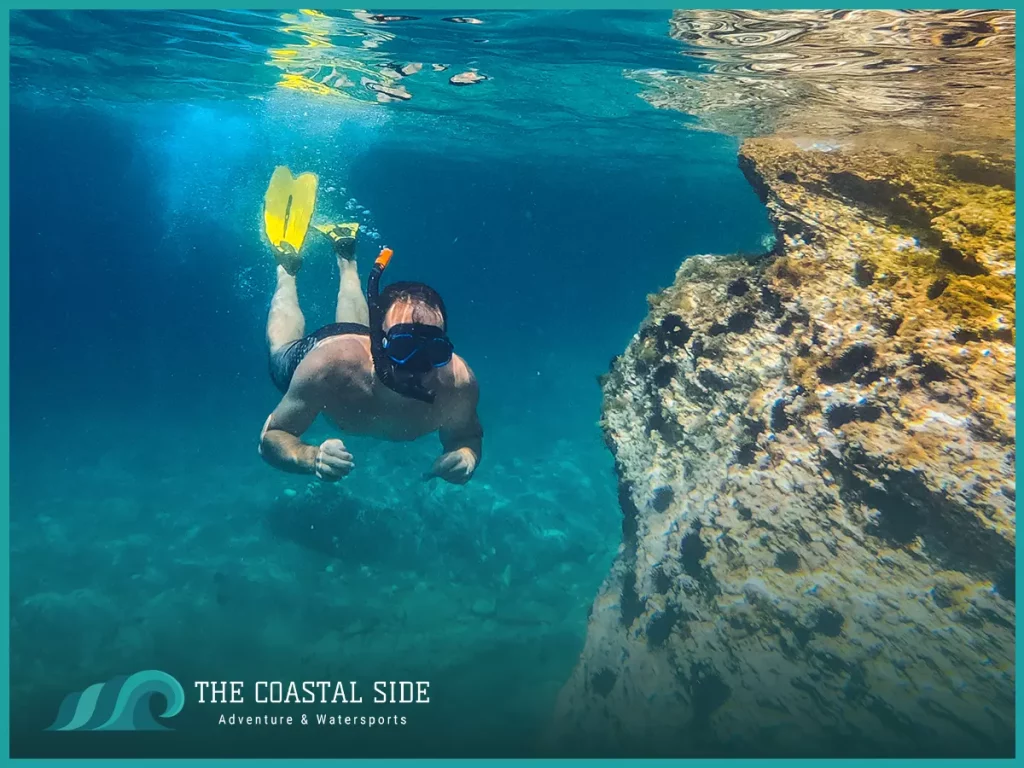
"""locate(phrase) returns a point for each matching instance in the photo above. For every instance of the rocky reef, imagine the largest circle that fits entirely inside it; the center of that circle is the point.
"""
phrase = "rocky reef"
(815, 451)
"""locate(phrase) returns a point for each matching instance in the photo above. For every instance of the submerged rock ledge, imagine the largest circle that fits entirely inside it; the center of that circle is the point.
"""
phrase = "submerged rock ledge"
(815, 451)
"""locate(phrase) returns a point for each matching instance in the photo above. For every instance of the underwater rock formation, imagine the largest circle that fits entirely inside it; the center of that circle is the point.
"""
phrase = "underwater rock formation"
(815, 451)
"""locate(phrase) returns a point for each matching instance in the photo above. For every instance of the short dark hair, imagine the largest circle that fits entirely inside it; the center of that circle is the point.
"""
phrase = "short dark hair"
(404, 291)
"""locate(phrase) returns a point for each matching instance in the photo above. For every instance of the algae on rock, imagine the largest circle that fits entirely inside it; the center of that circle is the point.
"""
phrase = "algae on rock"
(816, 460)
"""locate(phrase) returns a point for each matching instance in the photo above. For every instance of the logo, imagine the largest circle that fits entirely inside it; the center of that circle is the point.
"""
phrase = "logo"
(121, 704)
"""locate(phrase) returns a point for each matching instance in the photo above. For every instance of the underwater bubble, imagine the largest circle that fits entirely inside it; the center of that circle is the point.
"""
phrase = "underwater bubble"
(244, 284)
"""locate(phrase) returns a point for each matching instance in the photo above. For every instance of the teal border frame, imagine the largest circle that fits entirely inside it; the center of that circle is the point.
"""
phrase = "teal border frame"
(5, 445)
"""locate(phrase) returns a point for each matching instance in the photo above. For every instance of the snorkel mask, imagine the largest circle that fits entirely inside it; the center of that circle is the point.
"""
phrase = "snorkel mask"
(407, 348)
(416, 347)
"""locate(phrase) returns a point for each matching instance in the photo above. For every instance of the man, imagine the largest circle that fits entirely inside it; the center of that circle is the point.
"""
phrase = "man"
(385, 368)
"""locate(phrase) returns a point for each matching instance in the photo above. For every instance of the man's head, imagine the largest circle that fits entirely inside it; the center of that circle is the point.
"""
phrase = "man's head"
(414, 327)
(407, 302)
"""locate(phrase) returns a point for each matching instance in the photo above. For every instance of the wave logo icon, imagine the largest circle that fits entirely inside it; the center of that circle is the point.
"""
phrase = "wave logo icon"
(121, 704)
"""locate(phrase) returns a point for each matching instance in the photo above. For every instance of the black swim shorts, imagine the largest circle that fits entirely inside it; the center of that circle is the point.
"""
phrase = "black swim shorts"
(285, 360)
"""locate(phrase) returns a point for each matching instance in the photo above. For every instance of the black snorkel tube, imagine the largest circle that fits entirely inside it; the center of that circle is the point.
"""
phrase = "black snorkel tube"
(382, 364)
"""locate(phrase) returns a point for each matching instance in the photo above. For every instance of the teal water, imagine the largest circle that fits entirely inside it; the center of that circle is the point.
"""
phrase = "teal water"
(544, 203)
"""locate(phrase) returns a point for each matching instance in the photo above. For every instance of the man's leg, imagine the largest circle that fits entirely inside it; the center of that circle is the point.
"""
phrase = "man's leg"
(352, 306)
(285, 322)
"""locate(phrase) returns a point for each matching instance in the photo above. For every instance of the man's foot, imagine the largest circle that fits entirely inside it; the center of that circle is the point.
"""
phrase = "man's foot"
(290, 261)
(342, 237)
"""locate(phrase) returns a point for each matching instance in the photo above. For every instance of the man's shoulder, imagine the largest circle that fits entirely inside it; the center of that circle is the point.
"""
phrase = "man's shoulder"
(462, 379)
(336, 360)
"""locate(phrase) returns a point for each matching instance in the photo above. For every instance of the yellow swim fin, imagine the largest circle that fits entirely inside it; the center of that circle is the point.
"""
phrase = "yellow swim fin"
(287, 208)
(342, 237)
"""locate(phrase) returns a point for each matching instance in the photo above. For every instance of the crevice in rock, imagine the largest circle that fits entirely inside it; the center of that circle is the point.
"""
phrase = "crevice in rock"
(746, 454)
(753, 427)
(713, 382)
(788, 561)
(975, 169)
(844, 413)
(664, 374)
(706, 689)
(602, 682)
(982, 427)
(662, 581)
(828, 621)
(881, 196)
(906, 510)
(666, 426)
(631, 606)
(891, 325)
(864, 273)
(959, 262)
(771, 301)
(932, 371)
(661, 626)
(692, 551)
(630, 513)
(663, 498)
(937, 288)
(852, 360)
(1006, 584)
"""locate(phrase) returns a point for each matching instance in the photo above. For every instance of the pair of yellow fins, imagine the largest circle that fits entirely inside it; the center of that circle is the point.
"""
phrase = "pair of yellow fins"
(287, 212)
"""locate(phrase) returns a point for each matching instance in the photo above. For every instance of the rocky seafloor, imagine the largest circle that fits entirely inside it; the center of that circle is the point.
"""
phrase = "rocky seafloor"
(815, 450)
(120, 565)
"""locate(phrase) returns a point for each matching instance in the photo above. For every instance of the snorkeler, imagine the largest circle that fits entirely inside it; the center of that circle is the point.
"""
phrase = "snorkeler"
(384, 368)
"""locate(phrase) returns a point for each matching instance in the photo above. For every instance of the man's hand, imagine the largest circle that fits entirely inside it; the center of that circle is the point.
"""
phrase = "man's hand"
(454, 467)
(333, 461)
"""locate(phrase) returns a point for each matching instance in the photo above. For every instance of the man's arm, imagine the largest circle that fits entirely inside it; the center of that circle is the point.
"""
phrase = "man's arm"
(464, 431)
(280, 445)
(461, 434)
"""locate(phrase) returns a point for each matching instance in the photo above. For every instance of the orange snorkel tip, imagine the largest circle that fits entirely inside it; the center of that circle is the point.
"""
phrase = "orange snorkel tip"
(373, 283)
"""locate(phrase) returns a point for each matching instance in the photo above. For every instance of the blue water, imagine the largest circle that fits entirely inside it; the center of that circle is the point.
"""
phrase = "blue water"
(544, 204)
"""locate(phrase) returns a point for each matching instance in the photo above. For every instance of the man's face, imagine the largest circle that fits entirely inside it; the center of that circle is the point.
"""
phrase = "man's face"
(421, 363)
